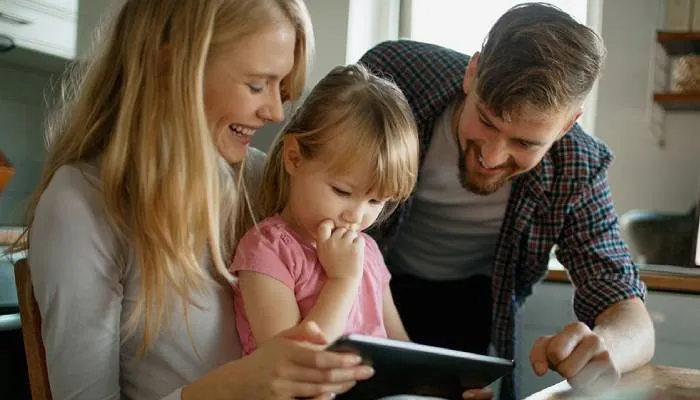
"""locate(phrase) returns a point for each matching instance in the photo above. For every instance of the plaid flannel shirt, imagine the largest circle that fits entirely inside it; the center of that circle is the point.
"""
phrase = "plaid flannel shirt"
(564, 201)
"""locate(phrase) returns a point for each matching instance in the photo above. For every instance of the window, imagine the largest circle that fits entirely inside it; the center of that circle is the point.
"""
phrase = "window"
(462, 26)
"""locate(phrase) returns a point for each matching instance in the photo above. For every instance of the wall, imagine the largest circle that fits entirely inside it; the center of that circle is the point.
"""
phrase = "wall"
(643, 175)
(22, 113)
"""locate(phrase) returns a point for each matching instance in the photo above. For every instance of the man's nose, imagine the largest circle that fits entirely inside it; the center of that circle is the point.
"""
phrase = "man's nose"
(494, 153)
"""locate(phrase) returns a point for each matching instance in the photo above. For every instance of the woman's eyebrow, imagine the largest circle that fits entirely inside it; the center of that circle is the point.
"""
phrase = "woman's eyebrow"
(262, 76)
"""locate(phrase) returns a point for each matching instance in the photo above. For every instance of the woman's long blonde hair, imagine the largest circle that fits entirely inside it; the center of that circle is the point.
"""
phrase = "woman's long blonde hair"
(137, 108)
(351, 117)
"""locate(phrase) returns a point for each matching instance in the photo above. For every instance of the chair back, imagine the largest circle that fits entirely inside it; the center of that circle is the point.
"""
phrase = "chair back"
(31, 333)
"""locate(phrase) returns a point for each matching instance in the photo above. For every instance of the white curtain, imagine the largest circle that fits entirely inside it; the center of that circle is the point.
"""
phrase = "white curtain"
(369, 23)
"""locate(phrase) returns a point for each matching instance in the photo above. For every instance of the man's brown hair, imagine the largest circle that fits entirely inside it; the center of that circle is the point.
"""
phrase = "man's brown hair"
(537, 59)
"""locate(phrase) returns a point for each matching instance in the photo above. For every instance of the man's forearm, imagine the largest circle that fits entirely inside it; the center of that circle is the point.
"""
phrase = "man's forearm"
(628, 333)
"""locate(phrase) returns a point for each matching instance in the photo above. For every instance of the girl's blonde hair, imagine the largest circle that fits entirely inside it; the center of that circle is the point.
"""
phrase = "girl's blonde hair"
(351, 117)
(137, 109)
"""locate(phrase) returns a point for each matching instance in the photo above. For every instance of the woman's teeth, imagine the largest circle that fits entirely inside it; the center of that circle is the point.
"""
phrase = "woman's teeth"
(240, 130)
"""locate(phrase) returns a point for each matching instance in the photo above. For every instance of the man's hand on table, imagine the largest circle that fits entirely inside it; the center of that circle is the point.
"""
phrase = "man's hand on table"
(577, 354)
(478, 394)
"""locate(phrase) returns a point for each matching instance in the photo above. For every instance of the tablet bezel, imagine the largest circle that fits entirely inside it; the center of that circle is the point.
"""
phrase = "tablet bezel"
(427, 370)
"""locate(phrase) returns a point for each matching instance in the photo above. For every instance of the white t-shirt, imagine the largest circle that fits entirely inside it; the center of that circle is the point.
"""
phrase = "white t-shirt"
(449, 233)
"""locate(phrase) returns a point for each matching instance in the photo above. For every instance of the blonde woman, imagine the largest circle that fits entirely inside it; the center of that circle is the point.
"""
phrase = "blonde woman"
(132, 221)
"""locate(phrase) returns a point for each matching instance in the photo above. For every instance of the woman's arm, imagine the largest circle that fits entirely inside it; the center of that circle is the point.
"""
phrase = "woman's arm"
(289, 366)
(77, 289)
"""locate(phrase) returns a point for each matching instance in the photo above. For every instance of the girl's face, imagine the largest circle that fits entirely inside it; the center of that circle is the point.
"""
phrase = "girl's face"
(316, 194)
(242, 87)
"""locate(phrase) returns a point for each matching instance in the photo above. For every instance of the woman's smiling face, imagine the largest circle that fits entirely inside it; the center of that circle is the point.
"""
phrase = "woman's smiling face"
(242, 87)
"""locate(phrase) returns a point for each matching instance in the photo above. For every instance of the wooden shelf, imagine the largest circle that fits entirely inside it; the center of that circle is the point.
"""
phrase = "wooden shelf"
(678, 101)
(679, 43)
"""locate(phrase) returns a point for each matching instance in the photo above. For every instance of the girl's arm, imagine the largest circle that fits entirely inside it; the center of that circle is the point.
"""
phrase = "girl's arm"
(392, 320)
(266, 285)
(271, 307)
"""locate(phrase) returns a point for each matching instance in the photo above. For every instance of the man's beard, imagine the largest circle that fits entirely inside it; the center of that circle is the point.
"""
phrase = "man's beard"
(482, 189)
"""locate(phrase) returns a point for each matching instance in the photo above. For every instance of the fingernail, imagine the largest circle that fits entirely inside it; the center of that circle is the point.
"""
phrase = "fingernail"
(355, 359)
(541, 367)
(331, 395)
(468, 396)
(367, 371)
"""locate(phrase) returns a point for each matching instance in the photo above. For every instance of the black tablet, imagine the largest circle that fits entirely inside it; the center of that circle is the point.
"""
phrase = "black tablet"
(410, 368)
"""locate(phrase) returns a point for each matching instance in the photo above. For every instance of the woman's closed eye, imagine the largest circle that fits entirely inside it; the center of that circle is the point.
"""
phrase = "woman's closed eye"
(256, 87)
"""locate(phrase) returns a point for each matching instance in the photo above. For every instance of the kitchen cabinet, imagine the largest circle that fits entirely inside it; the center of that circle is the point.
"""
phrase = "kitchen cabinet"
(41, 26)
(91, 16)
(676, 320)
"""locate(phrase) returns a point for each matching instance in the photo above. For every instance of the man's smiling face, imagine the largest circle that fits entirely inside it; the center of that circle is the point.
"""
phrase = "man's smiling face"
(493, 150)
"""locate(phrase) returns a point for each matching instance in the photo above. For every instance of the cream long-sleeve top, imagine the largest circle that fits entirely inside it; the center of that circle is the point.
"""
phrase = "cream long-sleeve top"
(85, 296)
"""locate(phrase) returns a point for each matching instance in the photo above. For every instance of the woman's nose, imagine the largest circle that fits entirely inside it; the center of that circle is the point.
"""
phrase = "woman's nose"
(272, 110)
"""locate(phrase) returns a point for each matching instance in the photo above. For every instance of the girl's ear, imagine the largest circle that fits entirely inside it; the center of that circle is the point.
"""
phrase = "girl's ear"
(291, 154)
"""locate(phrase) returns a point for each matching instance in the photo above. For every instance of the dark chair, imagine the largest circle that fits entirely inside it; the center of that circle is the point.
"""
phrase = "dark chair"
(31, 332)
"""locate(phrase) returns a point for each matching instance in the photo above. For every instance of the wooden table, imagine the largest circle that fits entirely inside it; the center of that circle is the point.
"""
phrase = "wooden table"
(667, 383)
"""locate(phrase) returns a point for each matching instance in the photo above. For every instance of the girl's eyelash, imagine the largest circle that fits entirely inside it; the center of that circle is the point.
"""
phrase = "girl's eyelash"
(340, 191)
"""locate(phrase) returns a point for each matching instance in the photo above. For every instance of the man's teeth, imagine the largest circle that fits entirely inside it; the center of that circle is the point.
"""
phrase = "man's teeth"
(481, 161)
(240, 130)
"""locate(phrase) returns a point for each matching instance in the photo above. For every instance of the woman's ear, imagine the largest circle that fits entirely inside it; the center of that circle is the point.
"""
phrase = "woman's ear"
(291, 154)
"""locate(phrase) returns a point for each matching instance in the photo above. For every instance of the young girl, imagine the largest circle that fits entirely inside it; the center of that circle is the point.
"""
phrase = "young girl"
(345, 159)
